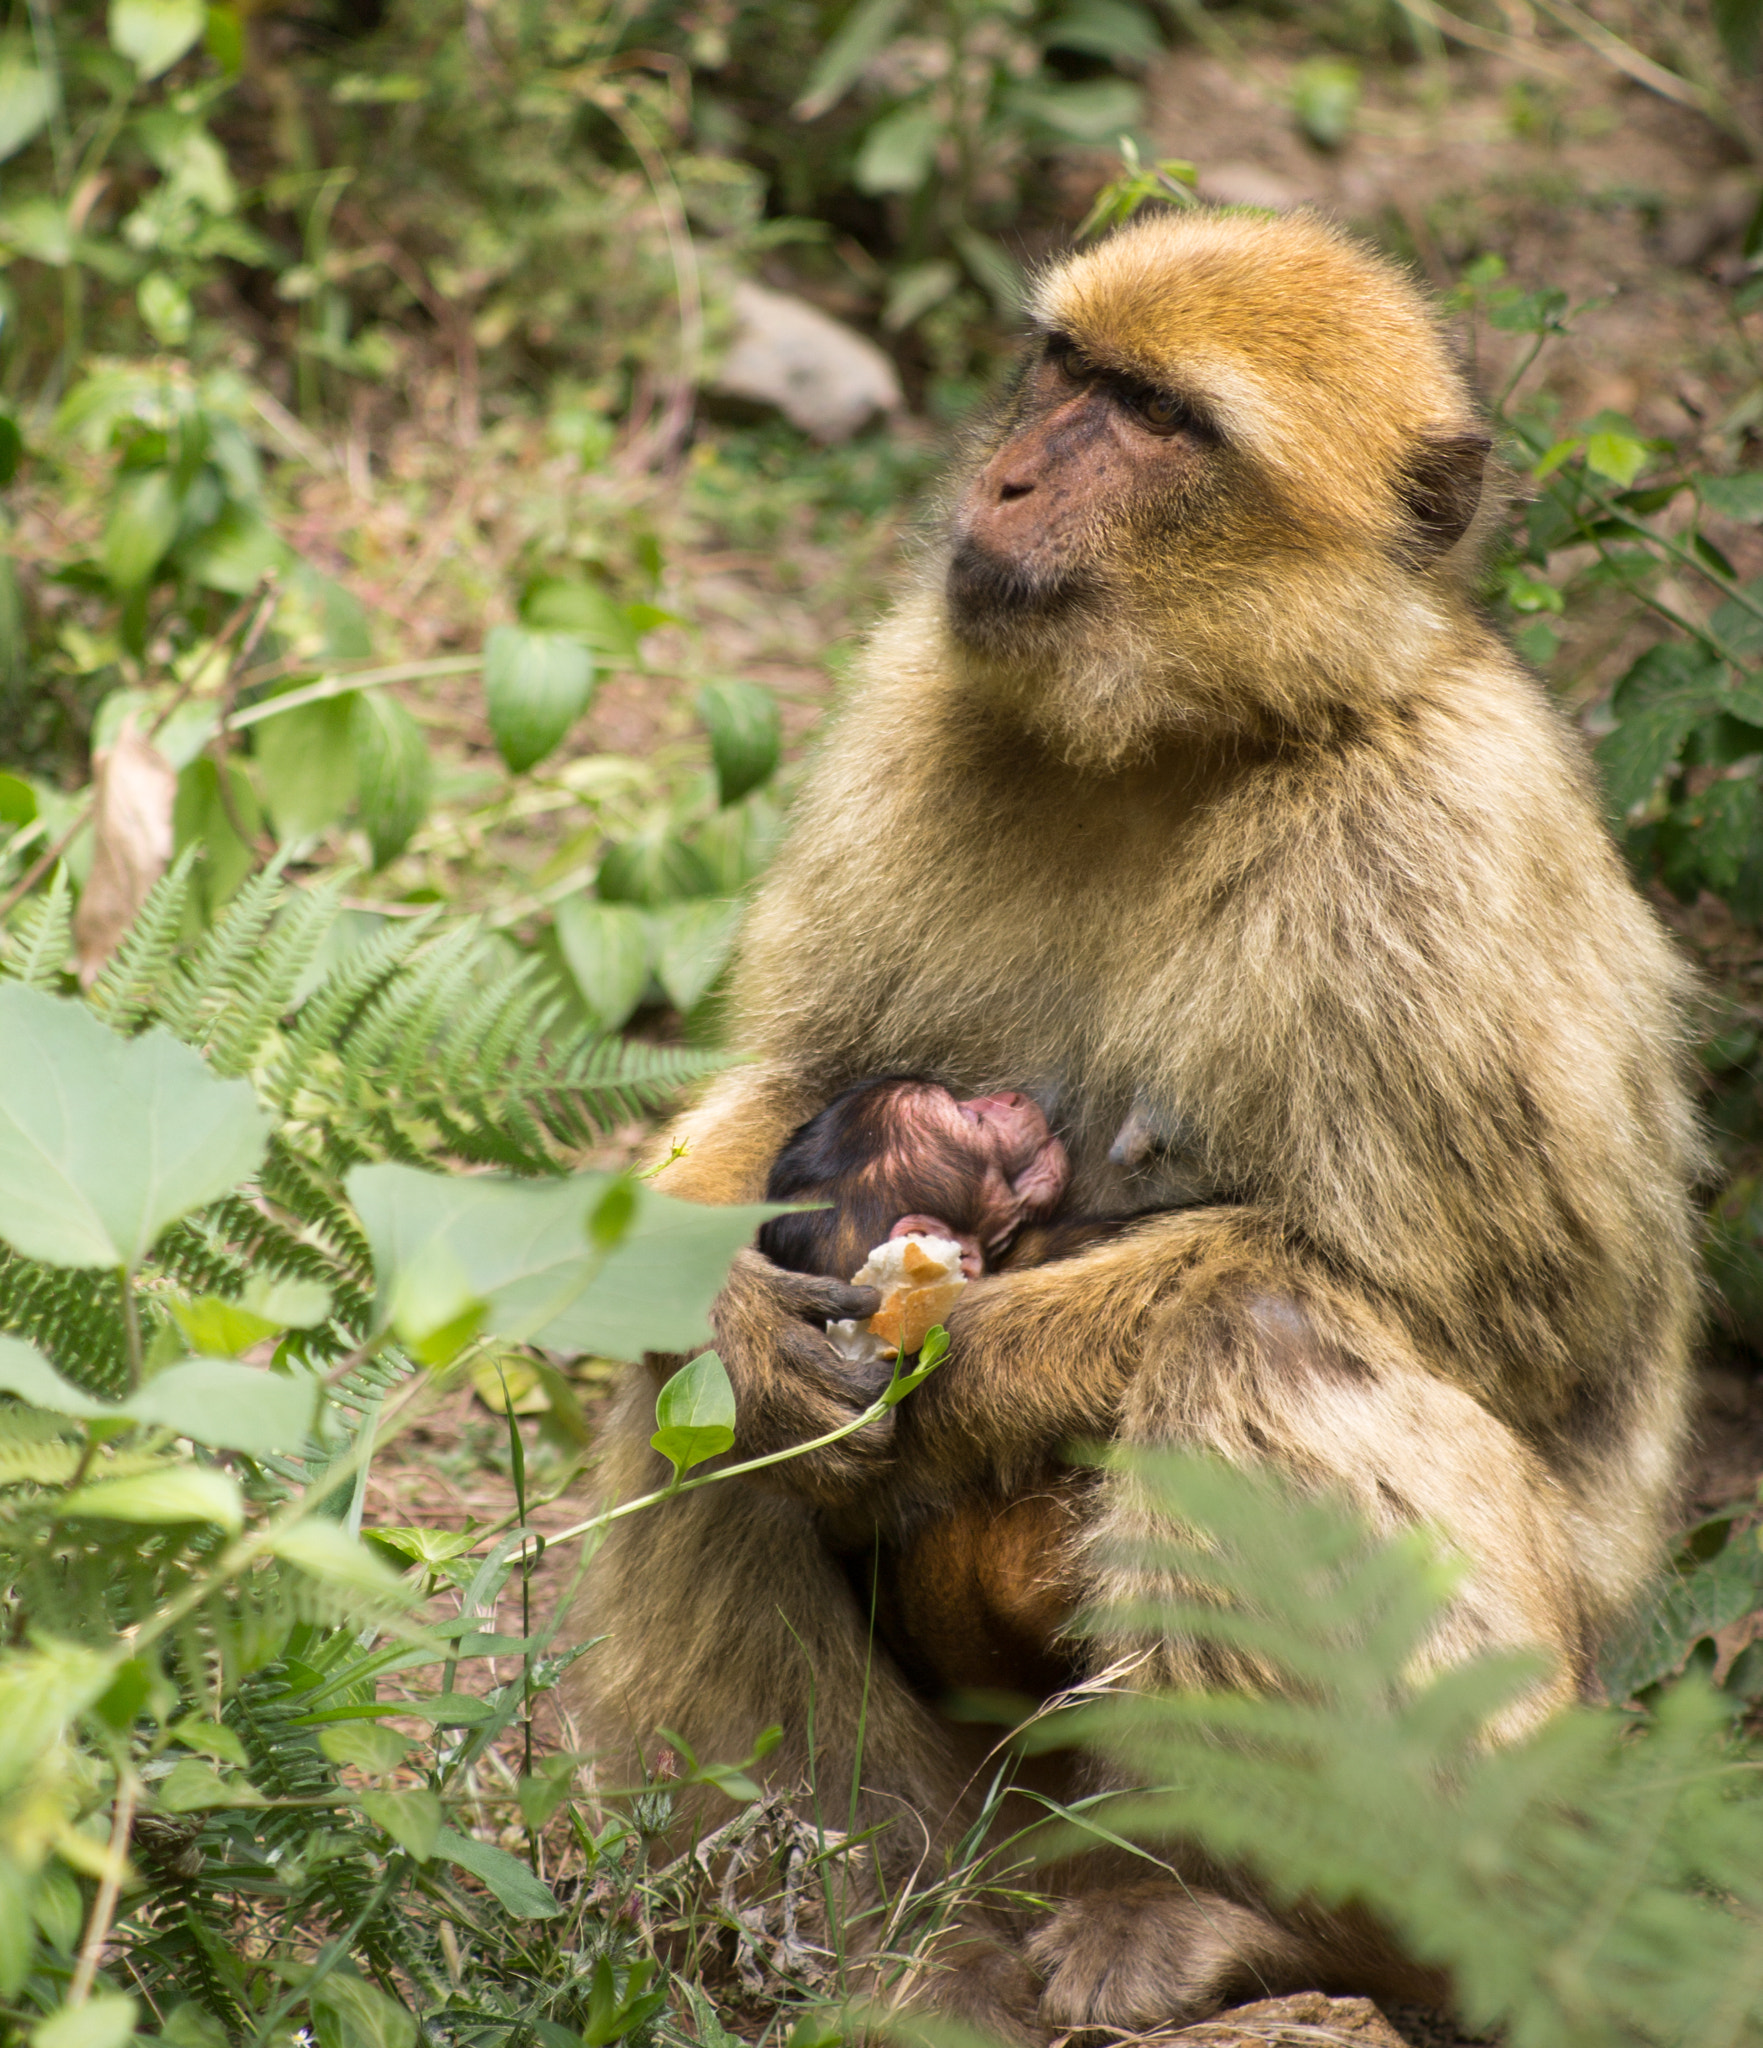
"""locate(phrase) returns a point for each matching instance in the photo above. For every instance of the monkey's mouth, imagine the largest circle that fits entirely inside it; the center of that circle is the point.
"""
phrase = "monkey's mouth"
(987, 592)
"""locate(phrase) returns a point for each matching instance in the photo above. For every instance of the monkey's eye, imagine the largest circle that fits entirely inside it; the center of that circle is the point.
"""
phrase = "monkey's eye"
(1161, 413)
(1070, 361)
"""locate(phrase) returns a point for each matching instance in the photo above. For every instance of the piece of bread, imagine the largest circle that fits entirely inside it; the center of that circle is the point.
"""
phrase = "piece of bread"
(920, 1280)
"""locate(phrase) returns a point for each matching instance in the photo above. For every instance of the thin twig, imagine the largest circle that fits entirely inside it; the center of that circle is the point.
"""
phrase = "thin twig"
(109, 1887)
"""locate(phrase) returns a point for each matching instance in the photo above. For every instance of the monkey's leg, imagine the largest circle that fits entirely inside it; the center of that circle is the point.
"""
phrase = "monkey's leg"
(1277, 1368)
(721, 1613)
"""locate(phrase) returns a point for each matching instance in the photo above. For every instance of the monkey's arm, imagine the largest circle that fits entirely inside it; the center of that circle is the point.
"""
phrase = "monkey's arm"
(727, 1141)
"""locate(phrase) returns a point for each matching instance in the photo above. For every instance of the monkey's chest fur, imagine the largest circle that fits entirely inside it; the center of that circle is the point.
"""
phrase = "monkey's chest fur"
(978, 1597)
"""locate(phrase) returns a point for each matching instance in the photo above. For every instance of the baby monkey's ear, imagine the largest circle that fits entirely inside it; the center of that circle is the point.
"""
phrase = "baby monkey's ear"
(972, 1258)
(1440, 487)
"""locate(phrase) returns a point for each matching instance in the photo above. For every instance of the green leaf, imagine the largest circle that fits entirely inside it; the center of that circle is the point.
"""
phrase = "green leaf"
(655, 867)
(654, 1292)
(195, 1787)
(1516, 312)
(536, 685)
(1620, 457)
(24, 1371)
(395, 774)
(231, 1406)
(1639, 751)
(508, 1880)
(584, 612)
(522, 1249)
(352, 2013)
(105, 1141)
(307, 765)
(931, 1354)
(154, 34)
(1097, 111)
(369, 1745)
(211, 1400)
(202, 815)
(692, 945)
(26, 100)
(913, 291)
(144, 515)
(412, 1819)
(1114, 29)
(165, 307)
(327, 1552)
(900, 150)
(695, 1413)
(182, 1493)
(860, 35)
(106, 2020)
(1325, 98)
(1733, 497)
(1690, 1605)
(746, 736)
(606, 948)
(609, 1220)
(226, 1329)
(517, 1249)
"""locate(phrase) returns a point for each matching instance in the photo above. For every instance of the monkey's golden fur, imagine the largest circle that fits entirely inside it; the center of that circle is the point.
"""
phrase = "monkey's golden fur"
(1266, 830)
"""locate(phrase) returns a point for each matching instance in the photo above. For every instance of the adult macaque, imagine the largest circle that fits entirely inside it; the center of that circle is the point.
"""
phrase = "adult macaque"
(1190, 785)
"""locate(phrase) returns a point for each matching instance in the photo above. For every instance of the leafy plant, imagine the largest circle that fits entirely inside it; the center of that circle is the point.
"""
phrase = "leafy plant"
(1589, 1883)
(207, 1822)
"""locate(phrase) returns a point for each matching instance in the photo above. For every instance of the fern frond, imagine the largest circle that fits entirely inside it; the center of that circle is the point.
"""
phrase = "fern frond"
(191, 1000)
(44, 938)
(75, 1319)
(625, 1079)
(134, 977)
(1584, 1886)
(325, 1015)
(265, 988)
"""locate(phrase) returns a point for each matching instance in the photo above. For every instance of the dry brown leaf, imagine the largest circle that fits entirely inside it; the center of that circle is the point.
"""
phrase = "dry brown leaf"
(135, 787)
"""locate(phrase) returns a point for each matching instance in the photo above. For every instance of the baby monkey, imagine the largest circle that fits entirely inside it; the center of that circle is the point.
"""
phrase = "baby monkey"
(898, 1155)
(978, 1595)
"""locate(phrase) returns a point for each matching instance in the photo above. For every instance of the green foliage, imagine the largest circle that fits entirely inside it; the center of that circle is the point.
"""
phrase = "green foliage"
(200, 1648)
(1587, 1883)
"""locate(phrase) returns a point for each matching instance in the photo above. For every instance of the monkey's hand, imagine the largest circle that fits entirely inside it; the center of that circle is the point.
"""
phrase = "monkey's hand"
(790, 1384)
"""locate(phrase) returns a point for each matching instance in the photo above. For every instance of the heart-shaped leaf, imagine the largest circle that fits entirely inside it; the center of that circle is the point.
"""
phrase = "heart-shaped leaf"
(395, 777)
(154, 34)
(695, 1412)
(536, 685)
(606, 948)
(746, 735)
(692, 945)
(105, 1141)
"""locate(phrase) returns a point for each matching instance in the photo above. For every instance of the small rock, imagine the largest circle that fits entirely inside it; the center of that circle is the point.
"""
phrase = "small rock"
(820, 375)
(1307, 2019)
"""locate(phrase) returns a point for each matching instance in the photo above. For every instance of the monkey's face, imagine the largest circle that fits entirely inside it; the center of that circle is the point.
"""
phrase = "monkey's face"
(1218, 494)
(994, 1154)
(1092, 453)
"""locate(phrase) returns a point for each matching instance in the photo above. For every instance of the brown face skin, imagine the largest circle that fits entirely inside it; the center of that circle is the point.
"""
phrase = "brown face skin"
(1019, 1169)
(901, 1154)
(1090, 444)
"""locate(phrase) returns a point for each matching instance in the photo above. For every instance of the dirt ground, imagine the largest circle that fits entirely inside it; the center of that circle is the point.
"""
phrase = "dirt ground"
(1578, 178)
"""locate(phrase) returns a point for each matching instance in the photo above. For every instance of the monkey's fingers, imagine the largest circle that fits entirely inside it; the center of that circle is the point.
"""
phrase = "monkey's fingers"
(833, 1302)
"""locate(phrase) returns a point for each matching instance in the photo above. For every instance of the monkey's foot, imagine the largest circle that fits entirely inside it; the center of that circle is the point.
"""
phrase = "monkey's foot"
(1146, 1956)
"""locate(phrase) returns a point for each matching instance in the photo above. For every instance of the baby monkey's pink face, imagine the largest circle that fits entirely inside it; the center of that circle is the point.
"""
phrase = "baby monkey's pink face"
(1020, 1167)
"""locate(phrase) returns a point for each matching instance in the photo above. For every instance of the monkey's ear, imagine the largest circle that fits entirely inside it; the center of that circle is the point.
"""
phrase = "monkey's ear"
(1440, 486)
